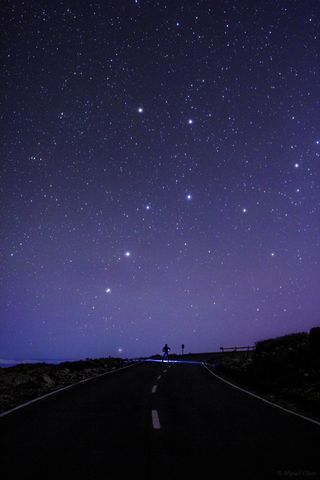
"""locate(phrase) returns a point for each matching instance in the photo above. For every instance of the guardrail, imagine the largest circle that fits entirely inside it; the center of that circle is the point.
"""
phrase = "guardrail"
(236, 349)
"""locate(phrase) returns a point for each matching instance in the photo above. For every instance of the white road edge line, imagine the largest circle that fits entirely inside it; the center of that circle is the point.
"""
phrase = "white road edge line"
(155, 420)
(154, 388)
(3, 414)
(263, 399)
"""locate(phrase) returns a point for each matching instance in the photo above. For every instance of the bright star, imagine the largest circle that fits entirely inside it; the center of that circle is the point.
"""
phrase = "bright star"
(189, 196)
(127, 254)
(296, 165)
(108, 290)
(190, 121)
(244, 210)
(140, 110)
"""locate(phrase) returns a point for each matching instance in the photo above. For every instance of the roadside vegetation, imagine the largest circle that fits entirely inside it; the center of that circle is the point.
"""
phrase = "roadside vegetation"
(24, 382)
(285, 370)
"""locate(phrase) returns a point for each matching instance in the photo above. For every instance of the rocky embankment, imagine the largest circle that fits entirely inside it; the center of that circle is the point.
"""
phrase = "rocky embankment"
(25, 382)
(284, 370)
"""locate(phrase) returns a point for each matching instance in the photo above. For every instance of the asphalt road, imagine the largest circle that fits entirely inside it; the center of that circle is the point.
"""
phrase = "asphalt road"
(153, 421)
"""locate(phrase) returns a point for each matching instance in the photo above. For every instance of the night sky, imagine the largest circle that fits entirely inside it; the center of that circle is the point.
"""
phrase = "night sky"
(159, 175)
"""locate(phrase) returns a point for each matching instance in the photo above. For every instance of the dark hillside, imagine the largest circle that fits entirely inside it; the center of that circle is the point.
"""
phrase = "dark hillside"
(284, 369)
(25, 382)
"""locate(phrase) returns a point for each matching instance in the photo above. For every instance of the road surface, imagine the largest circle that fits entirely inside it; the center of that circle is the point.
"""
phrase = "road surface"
(157, 420)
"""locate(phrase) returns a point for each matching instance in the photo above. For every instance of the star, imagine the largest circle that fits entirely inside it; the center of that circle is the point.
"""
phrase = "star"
(244, 210)
(296, 165)
(140, 110)
(127, 254)
(189, 196)
(190, 121)
(108, 290)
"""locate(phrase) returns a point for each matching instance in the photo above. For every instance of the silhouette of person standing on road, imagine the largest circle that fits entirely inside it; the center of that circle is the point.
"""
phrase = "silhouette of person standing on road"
(165, 351)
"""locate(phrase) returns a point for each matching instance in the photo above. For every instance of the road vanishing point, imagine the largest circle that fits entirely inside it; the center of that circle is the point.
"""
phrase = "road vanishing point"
(156, 420)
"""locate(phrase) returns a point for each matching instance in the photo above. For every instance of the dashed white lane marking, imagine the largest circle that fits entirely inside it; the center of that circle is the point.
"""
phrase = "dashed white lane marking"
(158, 378)
(165, 370)
(154, 388)
(155, 420)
